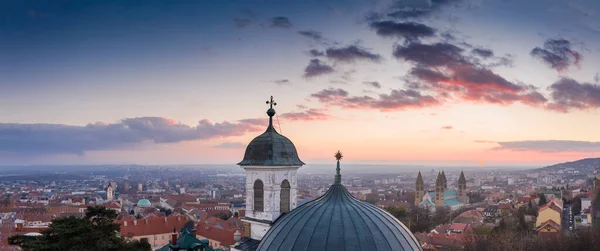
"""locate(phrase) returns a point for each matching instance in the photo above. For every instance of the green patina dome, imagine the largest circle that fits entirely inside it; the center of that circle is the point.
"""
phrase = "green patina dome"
(144, 203)
(338, 221)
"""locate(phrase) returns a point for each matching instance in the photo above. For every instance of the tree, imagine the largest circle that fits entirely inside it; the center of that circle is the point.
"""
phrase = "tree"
(543, 200)
(398, 212)
(531, 210)
(419, 219)
(97, 231)
(441, 215)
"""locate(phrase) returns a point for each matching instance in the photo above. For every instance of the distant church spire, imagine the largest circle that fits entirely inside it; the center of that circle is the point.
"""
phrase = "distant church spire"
(444, 180)
(440, 187)
(338, 177)
(419, 189)
(462, 188)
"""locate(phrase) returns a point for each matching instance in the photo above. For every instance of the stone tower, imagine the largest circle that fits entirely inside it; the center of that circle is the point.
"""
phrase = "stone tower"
(270, 164)
(445, 180)
(110, 193)
(419, 189)
(439, 190)
(462, 188)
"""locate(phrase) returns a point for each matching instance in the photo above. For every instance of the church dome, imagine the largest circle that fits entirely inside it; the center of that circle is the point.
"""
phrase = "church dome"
(338, 221)
(144, 203)
(271, 148)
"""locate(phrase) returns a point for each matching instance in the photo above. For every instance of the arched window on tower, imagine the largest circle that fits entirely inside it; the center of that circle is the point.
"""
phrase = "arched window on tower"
(284, 199)
(258, 196)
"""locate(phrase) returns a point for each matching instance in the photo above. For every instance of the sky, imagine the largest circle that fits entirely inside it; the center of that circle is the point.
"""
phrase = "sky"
(423, 82)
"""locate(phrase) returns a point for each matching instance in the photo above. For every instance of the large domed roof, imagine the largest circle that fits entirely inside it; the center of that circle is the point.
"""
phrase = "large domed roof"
(144, 203)
(338, 221)
(271, 148)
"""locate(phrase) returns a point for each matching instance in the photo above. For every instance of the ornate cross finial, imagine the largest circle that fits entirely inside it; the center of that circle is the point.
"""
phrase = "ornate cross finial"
(271, 102)
(338, 177)
(338, 155)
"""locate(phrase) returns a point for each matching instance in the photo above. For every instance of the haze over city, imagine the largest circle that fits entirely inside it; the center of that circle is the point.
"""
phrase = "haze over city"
(465, 83)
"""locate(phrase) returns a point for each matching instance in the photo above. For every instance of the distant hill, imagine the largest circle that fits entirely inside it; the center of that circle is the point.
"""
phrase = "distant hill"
(582, 165)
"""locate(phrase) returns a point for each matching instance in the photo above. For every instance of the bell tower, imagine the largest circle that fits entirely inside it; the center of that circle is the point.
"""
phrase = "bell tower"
(419, 189)
(462, 188)
(439, 190)
(110, 192)
(270, 164)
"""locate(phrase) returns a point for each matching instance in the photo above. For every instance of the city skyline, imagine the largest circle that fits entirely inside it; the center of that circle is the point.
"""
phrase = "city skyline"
(449, 82)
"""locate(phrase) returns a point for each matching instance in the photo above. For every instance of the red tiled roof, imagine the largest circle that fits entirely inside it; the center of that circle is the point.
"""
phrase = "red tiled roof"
(182, 198)
(549, 222)
(38, 217)
(552, 205)
(458, 226)
(152, 226)
(62, 209)
(525, 199)
(24, 230)
(224, 236)
(112, 204)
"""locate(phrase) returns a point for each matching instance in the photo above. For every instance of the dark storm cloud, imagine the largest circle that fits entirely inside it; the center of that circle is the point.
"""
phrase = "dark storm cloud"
(484, 53)
(557, 54)
(407, 30)
(449, 72)
(310, 114)
(412, 10)
(230, 145)
(316, 36)
(329, 95)
(403, 99)
(438, 54)
(241, 22)
(396, 100)
(282, 82)
(409, 13)
(128, 133)
(428, 75)
(280, 22)
(351, 53)
(374, 84)
(568, 94)
(550, 146)
(316, 68)
(316, 53)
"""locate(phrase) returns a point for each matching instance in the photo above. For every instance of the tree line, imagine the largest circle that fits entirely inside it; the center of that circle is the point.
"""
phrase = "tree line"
(96, 231)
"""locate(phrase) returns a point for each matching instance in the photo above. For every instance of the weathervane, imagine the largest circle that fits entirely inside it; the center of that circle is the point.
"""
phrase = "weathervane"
(271, 102)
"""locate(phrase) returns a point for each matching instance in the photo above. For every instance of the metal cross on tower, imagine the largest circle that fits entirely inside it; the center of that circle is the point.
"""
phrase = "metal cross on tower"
(271, 103)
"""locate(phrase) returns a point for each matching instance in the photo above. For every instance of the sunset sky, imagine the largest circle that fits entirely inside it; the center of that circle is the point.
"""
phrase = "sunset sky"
(433, 82)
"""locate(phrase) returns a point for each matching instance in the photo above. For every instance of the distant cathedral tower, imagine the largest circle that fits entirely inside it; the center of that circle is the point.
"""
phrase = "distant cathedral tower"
(270, 163)
(444, 180)
(110, 193)
(439, 190)
(419, 190)
(462, 188)
(441, 196)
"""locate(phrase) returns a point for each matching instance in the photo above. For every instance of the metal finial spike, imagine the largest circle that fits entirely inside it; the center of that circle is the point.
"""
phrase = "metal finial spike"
(338, 177)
